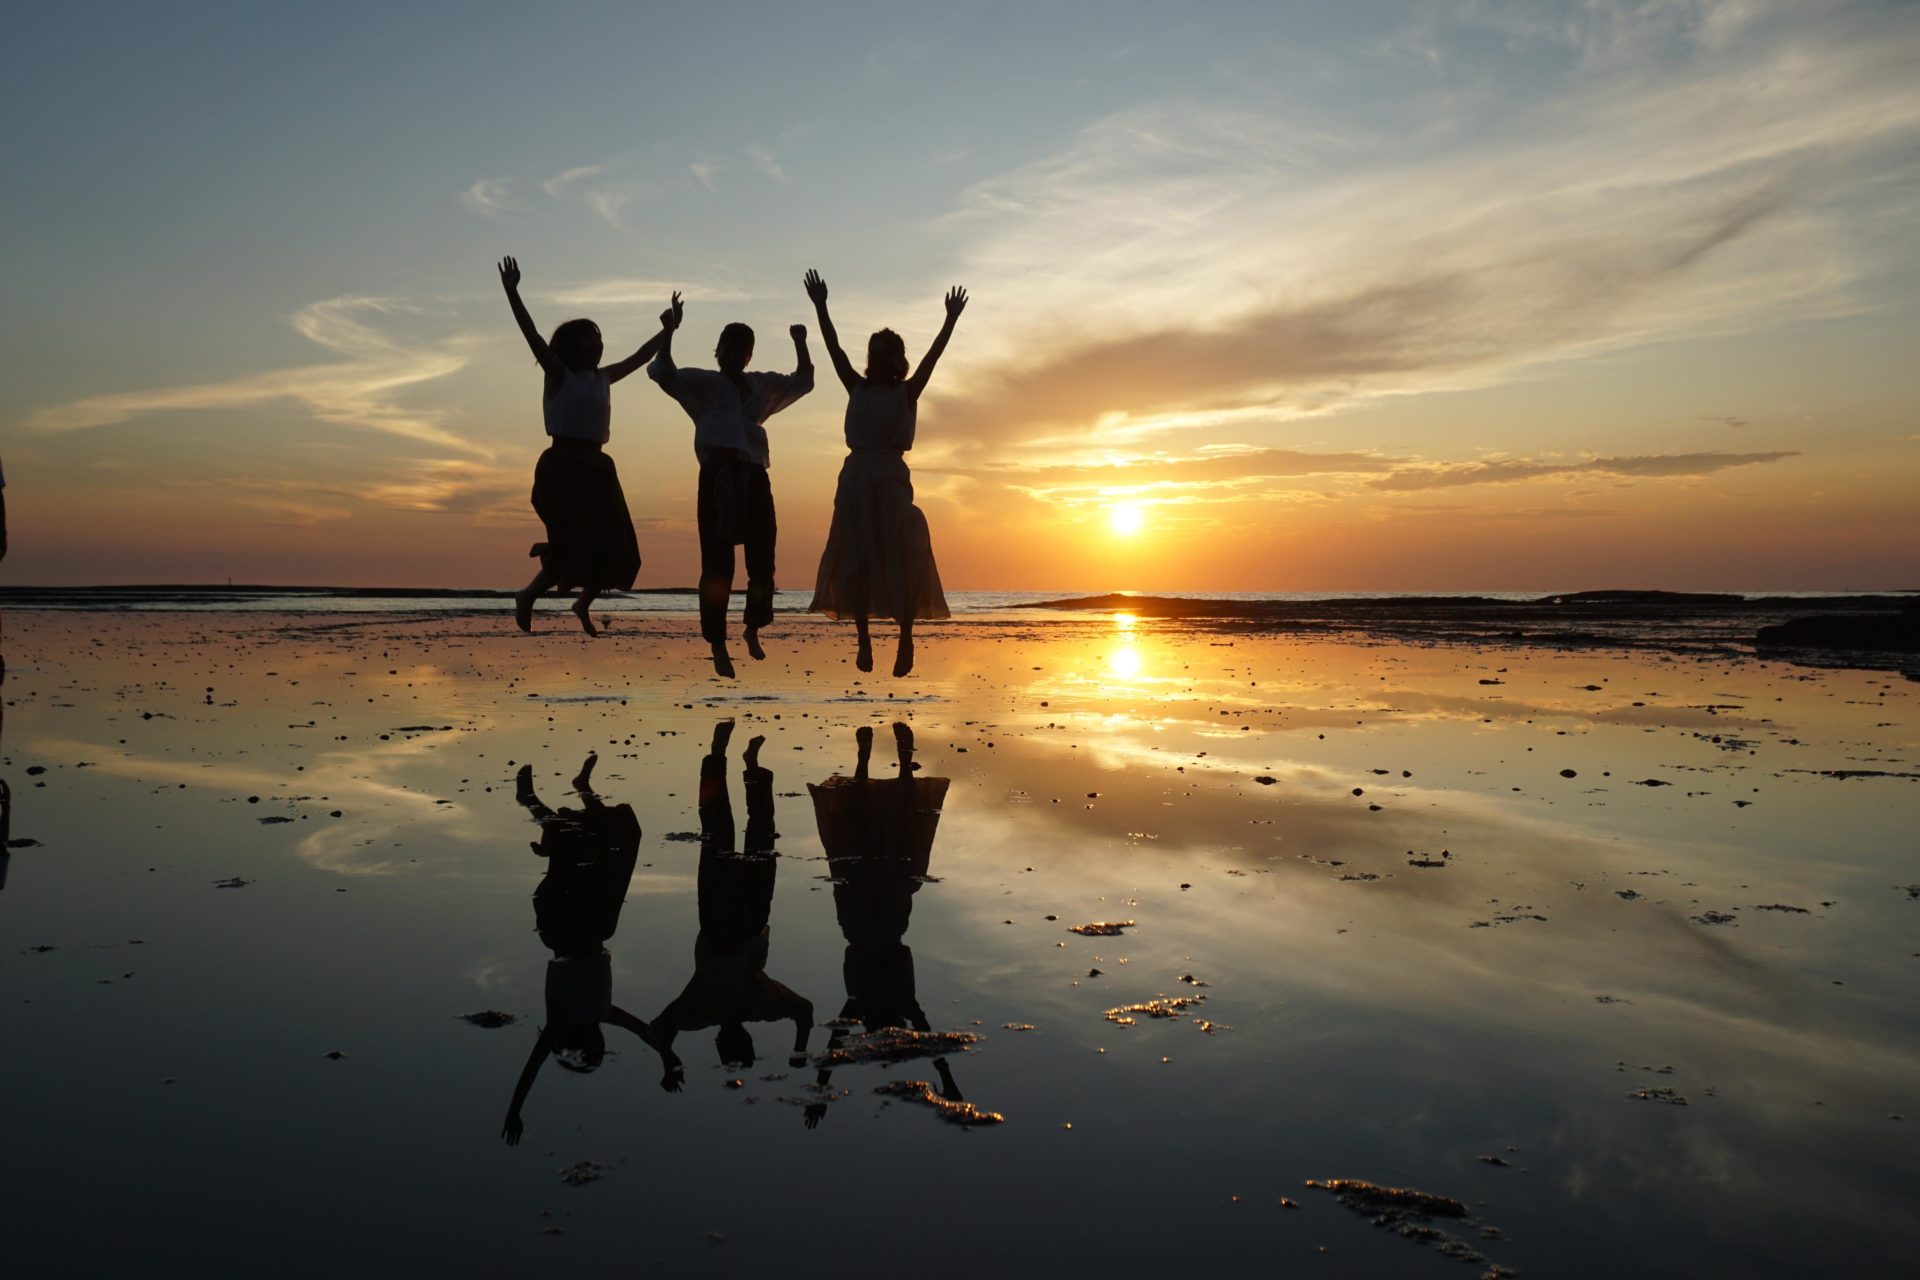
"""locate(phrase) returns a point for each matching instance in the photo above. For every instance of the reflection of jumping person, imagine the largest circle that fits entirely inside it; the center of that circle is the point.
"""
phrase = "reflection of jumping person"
(6, 792)
(6, 830)
(735, 504)
(879, 556)
(878, 836)
(590, 854)
(576, 490)
(730, 986)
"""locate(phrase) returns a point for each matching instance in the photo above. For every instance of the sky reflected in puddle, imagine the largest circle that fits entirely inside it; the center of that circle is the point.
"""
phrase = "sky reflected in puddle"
(1596, 944)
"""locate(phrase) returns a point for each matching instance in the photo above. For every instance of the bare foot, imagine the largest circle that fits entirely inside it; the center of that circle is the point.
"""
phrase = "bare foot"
(586, 622)
(754, 650)
(523, 610)
(722, 661)
(903, 659)
(864, 659)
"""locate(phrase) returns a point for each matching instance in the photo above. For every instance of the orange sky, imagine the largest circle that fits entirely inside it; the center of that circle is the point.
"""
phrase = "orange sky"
(1425, 299)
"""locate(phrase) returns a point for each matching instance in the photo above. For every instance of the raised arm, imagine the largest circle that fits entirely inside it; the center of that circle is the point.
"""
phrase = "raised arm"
(956, 303)
(513, 1128)
(669, 321)
(781, 389)
(802, 362)
(817, 290)
(662, 369)
(510, 281)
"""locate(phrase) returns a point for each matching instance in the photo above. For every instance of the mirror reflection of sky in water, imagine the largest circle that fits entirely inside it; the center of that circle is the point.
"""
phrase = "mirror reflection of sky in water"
(1415, 915)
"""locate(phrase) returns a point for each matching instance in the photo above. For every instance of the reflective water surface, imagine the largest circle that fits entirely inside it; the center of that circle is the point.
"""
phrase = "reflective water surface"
(1617, 952)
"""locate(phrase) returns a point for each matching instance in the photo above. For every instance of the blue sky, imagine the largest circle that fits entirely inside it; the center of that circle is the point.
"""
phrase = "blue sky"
(1539, 291)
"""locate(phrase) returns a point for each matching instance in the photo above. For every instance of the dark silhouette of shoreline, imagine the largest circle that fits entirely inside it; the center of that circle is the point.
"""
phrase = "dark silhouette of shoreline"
(1876, 631)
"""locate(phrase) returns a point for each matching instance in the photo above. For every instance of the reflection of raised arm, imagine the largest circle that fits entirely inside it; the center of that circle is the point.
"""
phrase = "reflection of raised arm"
(671, 1071)
(669, 321)
(956, 303)
(510, 281)
(817, 290)
(513, 1128)
(672, 1074)
(660, 1036)
(800, 1009)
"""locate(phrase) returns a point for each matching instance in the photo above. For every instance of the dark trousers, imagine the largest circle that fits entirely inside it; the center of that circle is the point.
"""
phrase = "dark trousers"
(735, 883)
(735, 508)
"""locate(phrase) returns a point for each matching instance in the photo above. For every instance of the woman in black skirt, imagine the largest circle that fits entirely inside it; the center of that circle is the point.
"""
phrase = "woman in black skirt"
(590, 543)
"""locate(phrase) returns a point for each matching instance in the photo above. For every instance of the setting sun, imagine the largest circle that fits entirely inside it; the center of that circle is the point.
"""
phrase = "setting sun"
(1126, 518)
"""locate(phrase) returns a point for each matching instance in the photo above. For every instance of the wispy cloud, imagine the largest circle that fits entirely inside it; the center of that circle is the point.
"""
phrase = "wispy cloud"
(488, 196)
(1240, 261)
(1239, 475)
(763, 161)
(599, 188)
(1609, 34)
(362, 391)
(643, 292)
(457, 486)
(704, 172)
(1207, 465)
(1509, 471)
(562, 183)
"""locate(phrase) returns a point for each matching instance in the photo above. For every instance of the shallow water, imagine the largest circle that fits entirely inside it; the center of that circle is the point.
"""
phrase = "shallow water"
(1418, 944)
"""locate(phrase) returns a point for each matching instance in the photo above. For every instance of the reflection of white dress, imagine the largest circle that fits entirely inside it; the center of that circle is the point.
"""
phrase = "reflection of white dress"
(879, 557)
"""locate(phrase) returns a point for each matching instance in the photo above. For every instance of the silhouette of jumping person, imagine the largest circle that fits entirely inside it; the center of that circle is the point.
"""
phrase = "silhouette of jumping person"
(576, 489)
(590, 853)
(878, 836)
(729, 409)
(879, 557)
(730, 986)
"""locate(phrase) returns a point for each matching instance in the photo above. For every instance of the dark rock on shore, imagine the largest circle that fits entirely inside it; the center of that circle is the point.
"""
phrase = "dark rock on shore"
(1870, 631)
(1881, 632)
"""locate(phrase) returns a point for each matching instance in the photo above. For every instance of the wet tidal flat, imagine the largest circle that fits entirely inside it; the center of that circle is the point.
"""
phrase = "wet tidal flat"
(410, 942)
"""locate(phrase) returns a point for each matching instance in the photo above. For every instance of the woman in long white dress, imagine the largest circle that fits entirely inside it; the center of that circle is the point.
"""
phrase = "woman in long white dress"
(879, 557)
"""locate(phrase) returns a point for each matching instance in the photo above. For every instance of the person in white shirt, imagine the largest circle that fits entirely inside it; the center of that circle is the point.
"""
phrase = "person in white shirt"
(576, 489)
(729, 408)
(879, 557)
